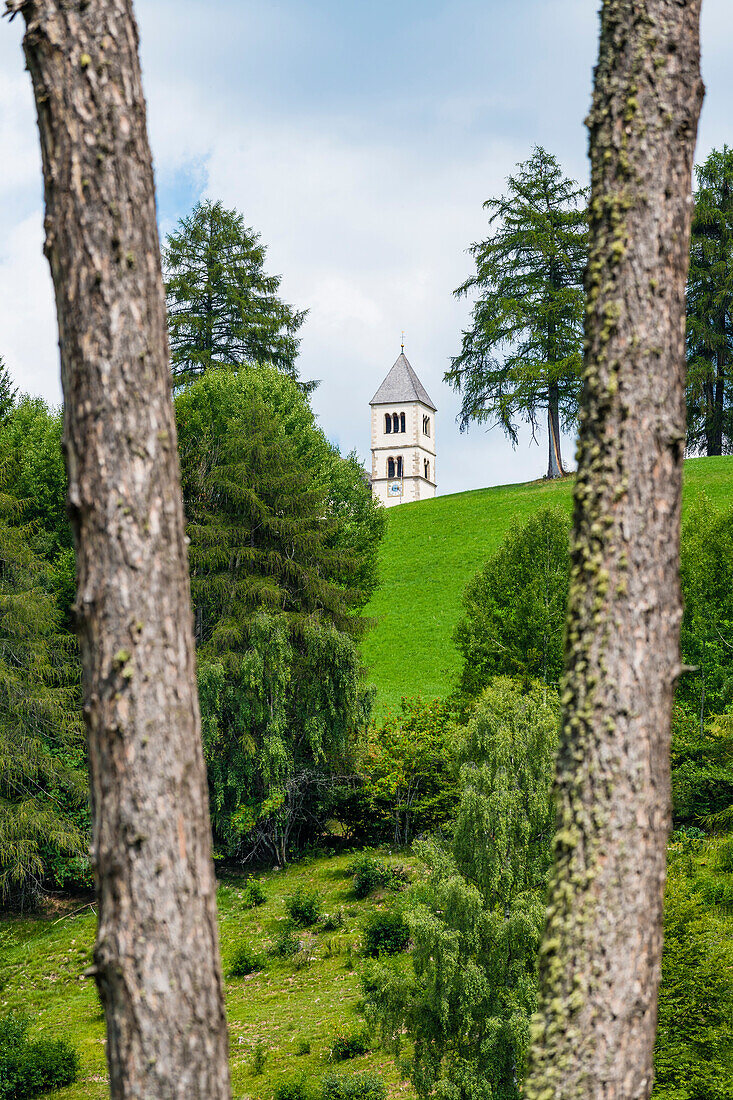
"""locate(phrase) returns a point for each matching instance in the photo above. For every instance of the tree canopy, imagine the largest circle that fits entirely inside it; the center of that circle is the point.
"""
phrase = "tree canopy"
(223, 307)
(710, 309)
(521, 355)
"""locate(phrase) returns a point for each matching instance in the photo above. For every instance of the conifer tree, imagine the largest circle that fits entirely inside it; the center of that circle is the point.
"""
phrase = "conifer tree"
(223, 308)
(710, 309)
(521, 355)
(276, 590)
(8, 392)
(42, 784)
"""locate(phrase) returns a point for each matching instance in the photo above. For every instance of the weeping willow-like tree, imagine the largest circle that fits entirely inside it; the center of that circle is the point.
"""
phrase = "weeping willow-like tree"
(42, 784)
(476, 923)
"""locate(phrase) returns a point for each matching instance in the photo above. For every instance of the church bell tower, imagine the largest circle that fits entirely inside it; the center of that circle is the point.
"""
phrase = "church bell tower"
(403, 438)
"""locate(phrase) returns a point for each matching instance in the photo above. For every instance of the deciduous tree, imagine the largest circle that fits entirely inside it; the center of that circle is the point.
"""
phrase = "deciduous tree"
(600, 958)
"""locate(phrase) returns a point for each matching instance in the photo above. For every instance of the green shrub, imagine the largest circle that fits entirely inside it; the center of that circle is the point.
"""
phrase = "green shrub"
(349, 1045)
(304, 906)
(369, 873)
(296, 1088)
(245, 961)
(385, 933)
(286, 945)
(353, 1086)
(303, 1047)
(253, 894)
(28, 1069)
(258, 1059)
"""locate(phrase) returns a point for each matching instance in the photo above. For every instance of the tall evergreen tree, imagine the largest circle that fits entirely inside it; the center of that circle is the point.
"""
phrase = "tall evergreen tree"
(278, 569)
(8, 392)
(223, 308)
(528, 309)
(42, 782)
(710, 309)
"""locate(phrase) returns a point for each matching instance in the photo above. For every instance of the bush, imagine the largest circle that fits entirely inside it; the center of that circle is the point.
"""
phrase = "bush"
(304, 906)
(253, 894)
(369, 873)
(385, 933)
(353, 1086)
(286, 945)
(245, 961)
(29, 1068)
(258, 1059)
(347, 1046)
(303, 1047)
(296, 1088)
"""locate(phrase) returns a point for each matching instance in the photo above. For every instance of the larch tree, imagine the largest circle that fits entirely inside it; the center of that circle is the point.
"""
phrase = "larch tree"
(223, 307)
(601, 952)
(156, 959)
(521, 355)
(710, 309)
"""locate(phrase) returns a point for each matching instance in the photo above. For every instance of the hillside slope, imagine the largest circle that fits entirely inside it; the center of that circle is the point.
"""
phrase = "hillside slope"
(433, 548)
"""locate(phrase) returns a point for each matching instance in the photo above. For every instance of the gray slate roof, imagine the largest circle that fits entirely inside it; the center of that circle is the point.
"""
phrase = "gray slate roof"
(400, 386)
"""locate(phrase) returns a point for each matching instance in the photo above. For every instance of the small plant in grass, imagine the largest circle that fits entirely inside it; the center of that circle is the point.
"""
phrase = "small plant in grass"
(258, 1060)
(349, 1045)
(245, 961)
(29, 1068)
(331, 922)
(353, 1086)
(253, 894)
(304, 906)
(286, 945)
(370, 873)
(385, 932)
(306, 954)
(302, 1047)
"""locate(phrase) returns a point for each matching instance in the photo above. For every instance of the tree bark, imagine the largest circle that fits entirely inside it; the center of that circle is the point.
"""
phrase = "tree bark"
(600, 958)
(156, 958)
(554, 466)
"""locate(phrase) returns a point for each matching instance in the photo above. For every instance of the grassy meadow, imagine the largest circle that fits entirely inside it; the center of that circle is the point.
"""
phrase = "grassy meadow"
(292, 1011)
(430, 552)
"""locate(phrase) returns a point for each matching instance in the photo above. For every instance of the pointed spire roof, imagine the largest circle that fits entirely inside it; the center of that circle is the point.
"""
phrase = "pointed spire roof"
(401, 385)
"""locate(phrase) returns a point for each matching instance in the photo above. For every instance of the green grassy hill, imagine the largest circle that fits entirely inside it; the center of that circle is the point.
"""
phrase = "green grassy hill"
(292, 1009)
(433, 548)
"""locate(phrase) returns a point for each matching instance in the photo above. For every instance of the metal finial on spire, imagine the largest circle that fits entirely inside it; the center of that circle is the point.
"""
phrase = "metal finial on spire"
(403, 341)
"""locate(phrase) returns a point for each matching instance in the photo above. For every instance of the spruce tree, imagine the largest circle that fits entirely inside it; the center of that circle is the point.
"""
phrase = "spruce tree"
(710, 309)
(223, 308)
(276, 580)
(42, 784)
(521, 355)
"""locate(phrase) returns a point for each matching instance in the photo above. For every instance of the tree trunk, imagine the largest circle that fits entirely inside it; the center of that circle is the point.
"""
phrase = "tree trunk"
(600, 960)
(156, 958)
(555, 467)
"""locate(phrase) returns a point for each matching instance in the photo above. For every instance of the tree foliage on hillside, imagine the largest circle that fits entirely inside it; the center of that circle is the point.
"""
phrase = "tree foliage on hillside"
(710, 309)
(283, 539)
(476, 922)
(521, 355)
(514, 608)
(223, 308)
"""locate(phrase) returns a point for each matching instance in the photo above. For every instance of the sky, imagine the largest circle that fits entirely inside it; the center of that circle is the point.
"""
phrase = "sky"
(360, 138)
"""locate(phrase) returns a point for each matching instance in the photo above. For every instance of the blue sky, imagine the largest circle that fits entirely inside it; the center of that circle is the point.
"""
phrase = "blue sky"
(360, 138)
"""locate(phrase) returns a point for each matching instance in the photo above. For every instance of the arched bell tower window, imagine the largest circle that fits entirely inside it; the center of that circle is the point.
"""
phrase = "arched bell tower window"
(394, 467)
(427, 469)
(402, 422)
(426, 426)
(390, 467)
(395, 422)
(387, 423)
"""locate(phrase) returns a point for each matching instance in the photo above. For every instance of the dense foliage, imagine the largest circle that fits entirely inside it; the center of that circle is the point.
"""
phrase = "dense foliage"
(522, 353)
(223, 308)
(710, 309)
(476, 922)
(31, 1067)
(283, 539)
(514, 608)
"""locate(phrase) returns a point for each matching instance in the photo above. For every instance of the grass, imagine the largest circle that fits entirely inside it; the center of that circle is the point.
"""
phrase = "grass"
(284, 1010)
(430, 552)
